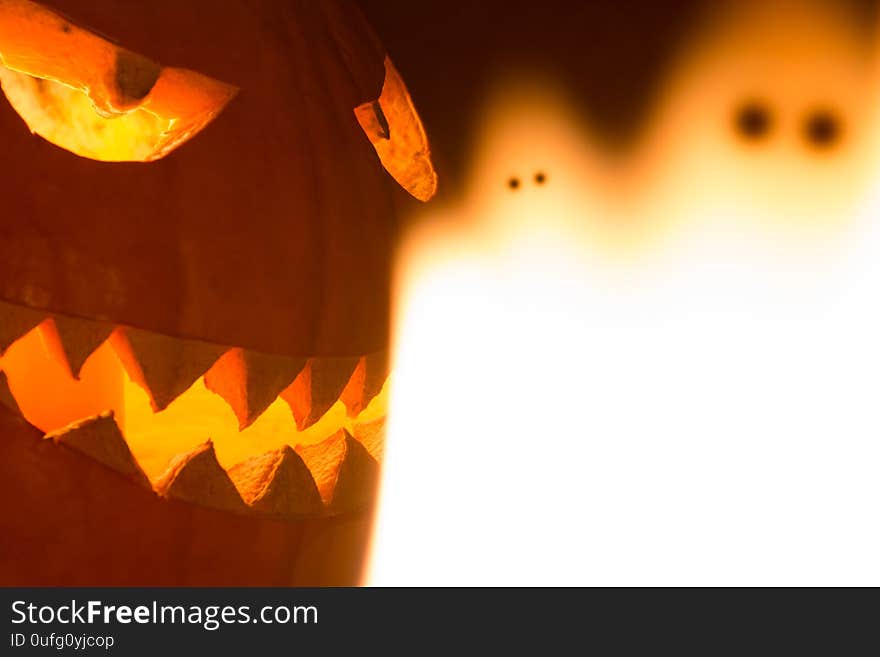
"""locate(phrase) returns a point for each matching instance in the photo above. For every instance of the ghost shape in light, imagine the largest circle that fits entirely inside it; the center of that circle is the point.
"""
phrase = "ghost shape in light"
(655, 369)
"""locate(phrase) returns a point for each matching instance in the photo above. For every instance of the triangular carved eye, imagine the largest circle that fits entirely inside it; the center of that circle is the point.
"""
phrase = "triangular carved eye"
(396, 132)
(93, 98)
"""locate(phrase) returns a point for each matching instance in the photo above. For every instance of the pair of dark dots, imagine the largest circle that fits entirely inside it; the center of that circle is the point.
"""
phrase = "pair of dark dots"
(821, 128)
(515, 183)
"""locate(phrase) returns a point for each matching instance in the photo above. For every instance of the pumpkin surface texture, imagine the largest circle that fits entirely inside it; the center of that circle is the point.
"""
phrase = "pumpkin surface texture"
(195, 251)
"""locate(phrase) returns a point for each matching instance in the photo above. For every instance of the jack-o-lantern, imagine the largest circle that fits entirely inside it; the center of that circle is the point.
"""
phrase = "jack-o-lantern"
(194, 283)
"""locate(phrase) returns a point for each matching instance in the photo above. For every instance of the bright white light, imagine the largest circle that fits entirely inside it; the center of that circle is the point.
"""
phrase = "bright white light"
(573, 407)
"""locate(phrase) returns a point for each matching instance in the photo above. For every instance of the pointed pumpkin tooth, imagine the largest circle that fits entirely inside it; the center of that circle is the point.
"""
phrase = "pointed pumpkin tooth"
(164, 367)
(100, 438)
(71, 341)
(345, 473)
(250, 381)
(16, 321)
(365, 383)
(372, 436)
(6, 398)
(277, 484)
(317, 388)
(198, 478)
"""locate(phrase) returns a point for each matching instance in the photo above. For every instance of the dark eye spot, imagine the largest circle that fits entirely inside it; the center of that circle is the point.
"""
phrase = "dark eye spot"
(513, 183)
(753, 121)
(540, 178)
(822, 129)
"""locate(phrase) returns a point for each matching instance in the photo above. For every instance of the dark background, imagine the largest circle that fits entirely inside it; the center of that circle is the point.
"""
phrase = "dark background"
(611, 54)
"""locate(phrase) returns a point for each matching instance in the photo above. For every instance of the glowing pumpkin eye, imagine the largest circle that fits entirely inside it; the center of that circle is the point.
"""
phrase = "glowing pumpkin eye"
(106, 103)
(397, 134)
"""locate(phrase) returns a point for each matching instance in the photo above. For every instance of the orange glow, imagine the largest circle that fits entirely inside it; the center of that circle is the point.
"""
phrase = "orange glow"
(47, 393)
(104, 103)
(51, 398)
(656, 368)
(199, 414)
(693, 163)
(396, 132)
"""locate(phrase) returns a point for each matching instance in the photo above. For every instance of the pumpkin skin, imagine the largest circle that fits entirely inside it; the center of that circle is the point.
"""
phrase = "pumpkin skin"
(269, 233)
(70, 521)
(278, 212)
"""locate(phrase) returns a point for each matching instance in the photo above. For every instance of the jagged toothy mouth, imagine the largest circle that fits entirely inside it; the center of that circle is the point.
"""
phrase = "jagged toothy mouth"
(218, 426)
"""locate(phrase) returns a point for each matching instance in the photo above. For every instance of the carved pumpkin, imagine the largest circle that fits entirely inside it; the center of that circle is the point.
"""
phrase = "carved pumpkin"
(194, 278)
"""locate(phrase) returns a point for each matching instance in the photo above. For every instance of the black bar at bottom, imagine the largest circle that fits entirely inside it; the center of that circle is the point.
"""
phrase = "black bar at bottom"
(145, 621)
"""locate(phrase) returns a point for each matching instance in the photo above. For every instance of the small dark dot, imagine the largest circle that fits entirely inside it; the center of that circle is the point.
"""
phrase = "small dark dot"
(540, 178)
(65, 28)
(513, 183)
(753, 121)
(822, 129)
